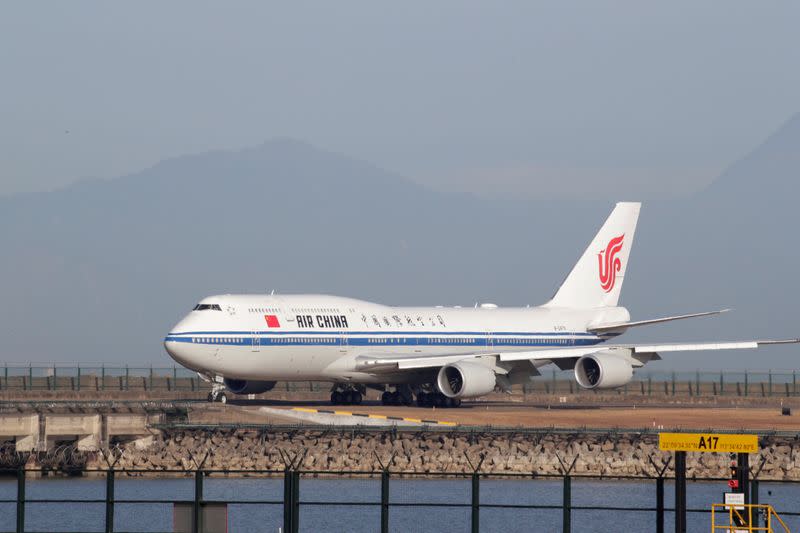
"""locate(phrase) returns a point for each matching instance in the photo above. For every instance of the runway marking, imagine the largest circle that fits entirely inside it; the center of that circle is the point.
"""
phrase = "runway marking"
(368, 415)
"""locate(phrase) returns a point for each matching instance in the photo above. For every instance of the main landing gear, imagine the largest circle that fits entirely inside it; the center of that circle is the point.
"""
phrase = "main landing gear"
(347, 395)
(403, 395)
(436, 399)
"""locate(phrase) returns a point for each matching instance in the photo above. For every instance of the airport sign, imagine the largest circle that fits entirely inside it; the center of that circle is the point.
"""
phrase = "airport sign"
(708, 442)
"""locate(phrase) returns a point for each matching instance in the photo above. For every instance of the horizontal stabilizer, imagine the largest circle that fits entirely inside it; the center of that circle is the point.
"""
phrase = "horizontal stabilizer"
(613, 326)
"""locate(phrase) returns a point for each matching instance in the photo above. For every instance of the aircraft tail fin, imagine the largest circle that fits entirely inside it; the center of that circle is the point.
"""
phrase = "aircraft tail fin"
(596, 279)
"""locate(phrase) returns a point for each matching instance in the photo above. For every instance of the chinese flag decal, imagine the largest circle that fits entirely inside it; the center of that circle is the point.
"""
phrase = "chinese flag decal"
(272, 321)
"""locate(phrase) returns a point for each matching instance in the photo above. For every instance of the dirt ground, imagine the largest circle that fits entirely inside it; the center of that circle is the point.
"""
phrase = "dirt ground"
(562, 416)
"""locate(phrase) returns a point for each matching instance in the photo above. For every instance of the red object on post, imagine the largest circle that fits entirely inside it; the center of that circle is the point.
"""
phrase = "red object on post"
(733, 483)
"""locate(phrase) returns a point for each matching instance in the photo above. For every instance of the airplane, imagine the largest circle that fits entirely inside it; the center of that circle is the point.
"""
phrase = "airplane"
(435, 356)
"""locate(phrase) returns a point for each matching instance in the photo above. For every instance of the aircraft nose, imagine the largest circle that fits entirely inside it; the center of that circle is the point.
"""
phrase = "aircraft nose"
(178, 350)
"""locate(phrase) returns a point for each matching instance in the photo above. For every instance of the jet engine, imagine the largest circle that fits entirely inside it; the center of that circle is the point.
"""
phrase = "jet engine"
(465, 379)
(241, 386)
(602, 371)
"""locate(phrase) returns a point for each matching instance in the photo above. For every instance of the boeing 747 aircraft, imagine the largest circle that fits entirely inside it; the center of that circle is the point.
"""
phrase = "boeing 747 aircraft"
(436, 355)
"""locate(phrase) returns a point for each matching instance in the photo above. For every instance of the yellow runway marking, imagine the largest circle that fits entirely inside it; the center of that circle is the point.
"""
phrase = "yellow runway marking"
(369, 415)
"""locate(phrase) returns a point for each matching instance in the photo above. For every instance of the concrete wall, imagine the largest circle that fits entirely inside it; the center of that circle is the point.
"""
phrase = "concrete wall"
(41, 432)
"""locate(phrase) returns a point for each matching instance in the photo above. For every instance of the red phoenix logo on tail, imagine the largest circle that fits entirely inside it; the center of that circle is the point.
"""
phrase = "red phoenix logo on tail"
(609, 264)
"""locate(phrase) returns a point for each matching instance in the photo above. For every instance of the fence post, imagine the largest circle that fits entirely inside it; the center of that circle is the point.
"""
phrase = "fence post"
(385, 501)
(79, 378)
(30, 376)
(746, 384)
(770, 382)
(697, 383)
(567, 505)
(794, 381)
(476, 502)
(287, 500)
(673, 383)
(174, 377)
(660, 504)
(721, 383)
(110, 500)
(127, 375)
(680, 492)
(21, 499)
(103, 377)
(197, 510)
(295, 502)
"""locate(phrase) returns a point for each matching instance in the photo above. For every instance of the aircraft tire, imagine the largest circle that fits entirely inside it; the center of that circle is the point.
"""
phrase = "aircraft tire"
(336, 398)
(422, 399)
(357, 398)
(210, 397)
(222, 398)
(385, 398)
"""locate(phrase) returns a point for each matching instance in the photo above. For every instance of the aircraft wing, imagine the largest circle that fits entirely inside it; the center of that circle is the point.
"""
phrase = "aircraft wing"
(378, 363)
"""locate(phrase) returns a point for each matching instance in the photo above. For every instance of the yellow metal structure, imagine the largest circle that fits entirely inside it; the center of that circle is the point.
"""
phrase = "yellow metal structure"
(735, 518)
(707, 442)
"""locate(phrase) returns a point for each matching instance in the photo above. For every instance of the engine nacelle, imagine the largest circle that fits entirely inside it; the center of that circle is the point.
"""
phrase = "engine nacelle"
(464, 379)
(242, 386)
(602, 371)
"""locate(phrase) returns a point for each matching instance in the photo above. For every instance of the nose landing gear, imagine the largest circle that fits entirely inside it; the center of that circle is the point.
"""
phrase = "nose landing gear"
(217, 394)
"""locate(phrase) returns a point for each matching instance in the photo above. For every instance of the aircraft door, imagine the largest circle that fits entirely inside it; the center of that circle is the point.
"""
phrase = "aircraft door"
(256, 342)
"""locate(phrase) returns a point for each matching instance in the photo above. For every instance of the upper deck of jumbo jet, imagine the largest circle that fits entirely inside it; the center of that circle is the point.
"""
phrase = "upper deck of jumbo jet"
(319, 312)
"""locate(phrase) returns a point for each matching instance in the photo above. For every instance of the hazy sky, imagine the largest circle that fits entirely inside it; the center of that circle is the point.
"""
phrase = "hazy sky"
(542, 98)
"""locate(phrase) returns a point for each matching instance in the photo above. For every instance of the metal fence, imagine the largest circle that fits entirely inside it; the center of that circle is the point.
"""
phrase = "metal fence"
(764, 383)
(287, 507)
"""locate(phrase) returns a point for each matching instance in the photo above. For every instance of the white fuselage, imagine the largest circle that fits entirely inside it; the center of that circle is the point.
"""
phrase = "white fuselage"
(317, 337)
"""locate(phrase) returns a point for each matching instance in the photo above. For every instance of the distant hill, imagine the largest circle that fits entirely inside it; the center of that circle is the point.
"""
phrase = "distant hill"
(101, 270)
(734, 244)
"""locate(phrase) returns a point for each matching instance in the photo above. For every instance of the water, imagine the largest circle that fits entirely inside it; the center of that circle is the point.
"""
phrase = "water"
(316, 516)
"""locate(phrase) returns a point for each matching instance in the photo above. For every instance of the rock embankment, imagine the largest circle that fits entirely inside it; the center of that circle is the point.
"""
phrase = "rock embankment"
(630, 454)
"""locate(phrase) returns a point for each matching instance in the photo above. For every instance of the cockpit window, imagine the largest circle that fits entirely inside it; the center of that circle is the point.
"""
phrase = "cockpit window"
(207, 307)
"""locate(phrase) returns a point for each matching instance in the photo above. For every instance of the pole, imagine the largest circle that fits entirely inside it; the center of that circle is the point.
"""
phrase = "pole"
(110, 500)
(197, 516)
(476, 502)
(295, 502)
(743, 473)
(680, 492)
(21, 499)
(659, 504)
(566, 509)
(287, 501)
(385, 501)
(754, 501)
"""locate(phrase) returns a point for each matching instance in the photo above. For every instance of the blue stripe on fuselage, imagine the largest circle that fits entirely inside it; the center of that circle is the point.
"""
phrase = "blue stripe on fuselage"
(499, 340)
